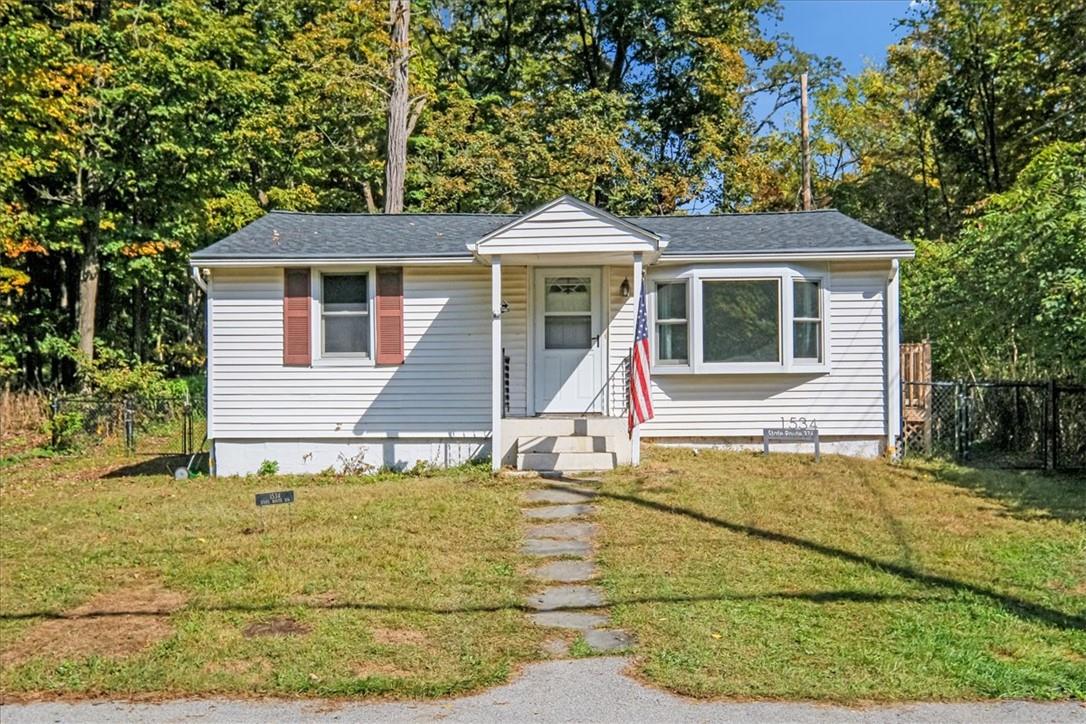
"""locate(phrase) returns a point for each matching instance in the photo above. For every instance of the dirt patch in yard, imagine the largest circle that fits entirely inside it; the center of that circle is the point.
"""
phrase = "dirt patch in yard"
(281, 626)
(111, 625)
(399, 637)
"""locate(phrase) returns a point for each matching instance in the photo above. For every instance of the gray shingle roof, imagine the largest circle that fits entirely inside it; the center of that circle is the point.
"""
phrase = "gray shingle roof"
(292, 235)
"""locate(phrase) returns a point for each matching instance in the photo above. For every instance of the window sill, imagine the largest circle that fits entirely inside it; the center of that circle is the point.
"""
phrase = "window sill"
(343, 362)
(746, 369)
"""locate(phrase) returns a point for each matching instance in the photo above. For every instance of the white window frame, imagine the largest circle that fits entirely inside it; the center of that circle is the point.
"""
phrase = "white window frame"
(654, 332)
(820, 320)
(341, 359)
(784, 275)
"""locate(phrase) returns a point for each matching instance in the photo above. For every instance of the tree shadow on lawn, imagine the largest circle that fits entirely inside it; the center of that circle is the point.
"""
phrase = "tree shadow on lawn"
(163, 464)
(850, 596)
(1027, 494)
(1022, 608)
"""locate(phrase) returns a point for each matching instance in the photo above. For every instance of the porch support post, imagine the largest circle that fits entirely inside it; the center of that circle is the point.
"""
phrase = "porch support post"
(893, 357)
(496, 363)
(635, 435)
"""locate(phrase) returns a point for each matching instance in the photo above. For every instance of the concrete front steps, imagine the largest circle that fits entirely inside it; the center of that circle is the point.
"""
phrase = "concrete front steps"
(571, 445)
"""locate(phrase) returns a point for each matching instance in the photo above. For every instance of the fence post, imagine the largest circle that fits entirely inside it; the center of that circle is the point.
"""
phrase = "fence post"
(1054, 425)
(54, 410)
(129, 426)
(959, 433)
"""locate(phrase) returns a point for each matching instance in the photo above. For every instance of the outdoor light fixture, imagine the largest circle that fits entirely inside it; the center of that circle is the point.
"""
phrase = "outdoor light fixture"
(624, 288)
(505, 307)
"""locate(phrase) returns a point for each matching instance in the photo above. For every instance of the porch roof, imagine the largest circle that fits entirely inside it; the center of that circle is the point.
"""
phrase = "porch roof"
(282, 236)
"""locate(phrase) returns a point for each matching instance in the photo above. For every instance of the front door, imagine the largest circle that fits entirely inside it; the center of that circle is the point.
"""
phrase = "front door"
(568, 365)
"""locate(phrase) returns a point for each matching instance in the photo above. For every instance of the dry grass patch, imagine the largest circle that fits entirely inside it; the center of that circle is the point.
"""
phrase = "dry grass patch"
(399, 637)
(116, 624)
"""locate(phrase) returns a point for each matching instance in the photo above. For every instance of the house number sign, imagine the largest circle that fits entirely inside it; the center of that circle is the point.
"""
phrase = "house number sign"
(797, 430)
(276, 498)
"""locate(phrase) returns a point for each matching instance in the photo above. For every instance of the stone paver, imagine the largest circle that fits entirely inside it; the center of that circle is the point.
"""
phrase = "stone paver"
(608, 640)
(553, 495)
(559, 512)
(577, 620)
(568, 606)
(558, 598)
(565, 571)
(572, 530)
(559, 648)
(556, 547)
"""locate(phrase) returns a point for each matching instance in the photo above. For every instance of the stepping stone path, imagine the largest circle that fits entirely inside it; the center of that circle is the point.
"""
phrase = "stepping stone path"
(567, 600)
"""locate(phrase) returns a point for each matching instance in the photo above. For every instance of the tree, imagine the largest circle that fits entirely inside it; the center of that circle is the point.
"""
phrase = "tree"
(1008, 297)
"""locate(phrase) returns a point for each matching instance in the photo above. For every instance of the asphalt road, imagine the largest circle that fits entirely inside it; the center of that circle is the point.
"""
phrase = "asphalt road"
(585, 690)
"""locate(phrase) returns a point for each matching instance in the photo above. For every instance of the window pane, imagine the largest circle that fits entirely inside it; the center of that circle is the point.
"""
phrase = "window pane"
(568, 294)
(347, 334)
(671, 342)
(805, 299)
(568, 332)
(671, 301)
(805, 341)
(740, 321)
(340, 289)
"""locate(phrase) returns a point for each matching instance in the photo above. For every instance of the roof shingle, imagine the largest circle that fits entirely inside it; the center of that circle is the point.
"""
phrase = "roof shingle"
(295, 235)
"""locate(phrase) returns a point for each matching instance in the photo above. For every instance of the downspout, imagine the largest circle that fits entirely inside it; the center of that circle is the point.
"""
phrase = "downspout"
(199, 279)
(893, 357)
(210, 432)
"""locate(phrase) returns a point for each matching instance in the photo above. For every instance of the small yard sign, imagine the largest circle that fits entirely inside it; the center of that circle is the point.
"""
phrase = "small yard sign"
(276, 498)
(777, 435)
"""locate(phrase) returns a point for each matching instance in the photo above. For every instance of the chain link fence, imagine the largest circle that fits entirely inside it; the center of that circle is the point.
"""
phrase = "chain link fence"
(996, 424)
(148, 426)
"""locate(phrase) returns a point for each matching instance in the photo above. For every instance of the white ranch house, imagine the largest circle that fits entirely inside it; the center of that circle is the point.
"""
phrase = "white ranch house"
(446, 337)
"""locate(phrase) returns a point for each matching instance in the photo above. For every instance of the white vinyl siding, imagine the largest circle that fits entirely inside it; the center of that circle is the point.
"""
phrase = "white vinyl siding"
(441, 390)
(620, 336)
(565, 227)
(849, 400)
(515, 336)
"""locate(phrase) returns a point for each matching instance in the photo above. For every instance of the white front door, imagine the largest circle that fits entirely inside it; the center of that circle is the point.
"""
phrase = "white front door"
(568, 364)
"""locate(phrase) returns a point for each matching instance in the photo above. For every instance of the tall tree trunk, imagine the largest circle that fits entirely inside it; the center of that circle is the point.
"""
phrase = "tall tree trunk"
(396, 151)
(89, 267)
(805, 142)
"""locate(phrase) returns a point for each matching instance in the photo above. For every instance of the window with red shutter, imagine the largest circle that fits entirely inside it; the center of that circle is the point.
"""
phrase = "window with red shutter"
(389, 321)
(296, 325)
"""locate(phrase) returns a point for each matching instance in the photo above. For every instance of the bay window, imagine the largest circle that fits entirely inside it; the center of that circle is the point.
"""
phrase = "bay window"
(672, 345)
(740, 319)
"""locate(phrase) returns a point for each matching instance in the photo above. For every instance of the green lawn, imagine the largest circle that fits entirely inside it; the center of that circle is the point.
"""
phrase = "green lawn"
(743, 576)
(397, 586)
(740, 576)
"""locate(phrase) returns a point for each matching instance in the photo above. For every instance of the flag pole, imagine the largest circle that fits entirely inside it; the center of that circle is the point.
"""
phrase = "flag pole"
(635, 434)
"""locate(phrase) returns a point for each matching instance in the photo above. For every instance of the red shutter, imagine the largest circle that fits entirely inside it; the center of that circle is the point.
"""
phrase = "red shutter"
(296, 324)
(389, 347)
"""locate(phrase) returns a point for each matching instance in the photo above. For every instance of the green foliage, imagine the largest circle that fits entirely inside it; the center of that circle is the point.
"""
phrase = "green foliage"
(65, 430)
(132, 133)
(268, 467)
(1008, 296)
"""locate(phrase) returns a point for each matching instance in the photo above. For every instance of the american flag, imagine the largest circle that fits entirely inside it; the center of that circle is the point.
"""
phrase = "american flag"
(640, 389)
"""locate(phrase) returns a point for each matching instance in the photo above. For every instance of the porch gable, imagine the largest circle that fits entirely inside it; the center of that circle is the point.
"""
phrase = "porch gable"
(569, 226)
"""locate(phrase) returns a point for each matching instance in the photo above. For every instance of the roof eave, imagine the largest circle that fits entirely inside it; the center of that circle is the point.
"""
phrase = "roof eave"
(793, 254)
(256, 262)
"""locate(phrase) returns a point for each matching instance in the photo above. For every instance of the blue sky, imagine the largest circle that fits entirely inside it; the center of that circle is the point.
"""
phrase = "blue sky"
(851, 30)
